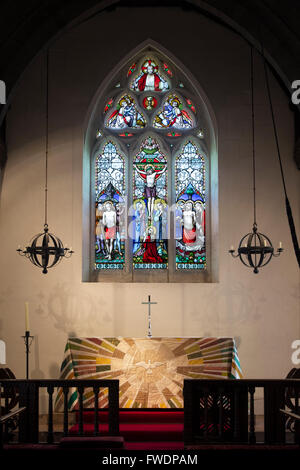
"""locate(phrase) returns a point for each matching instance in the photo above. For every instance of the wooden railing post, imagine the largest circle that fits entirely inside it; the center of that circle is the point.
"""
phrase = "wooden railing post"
(23, 420)
(1, 436)
(274, 398)
(50, 390)
(113, 410)
(205, 401)
(80, 425)
(33, 411)
(252, 436)
(29, 420)
(7, 393)
(297, 411)
(236, 425)
(221, 413)
(96, 411)
(66, 411)
(215, 413)
(242, 411)
(191, 411)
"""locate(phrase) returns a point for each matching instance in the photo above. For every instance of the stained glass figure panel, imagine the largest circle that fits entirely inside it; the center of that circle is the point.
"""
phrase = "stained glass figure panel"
(125, 115)
(190, 209)
(149, 78)
(110, 208)
(172, 115)
(150, 246)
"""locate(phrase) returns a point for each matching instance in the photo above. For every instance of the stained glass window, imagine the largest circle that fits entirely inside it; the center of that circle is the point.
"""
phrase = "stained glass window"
(150, 200)
(110, 208)
(149, 135)
(190, 208)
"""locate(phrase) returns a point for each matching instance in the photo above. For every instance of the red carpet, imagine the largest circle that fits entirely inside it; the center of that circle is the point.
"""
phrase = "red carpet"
(139, 416)
(148, 445)
(164, 428)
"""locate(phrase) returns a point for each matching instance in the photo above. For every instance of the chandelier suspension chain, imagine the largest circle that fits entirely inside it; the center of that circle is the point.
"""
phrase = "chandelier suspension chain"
(47, 130)
(273, 117)
(287, 202)
(253, 138)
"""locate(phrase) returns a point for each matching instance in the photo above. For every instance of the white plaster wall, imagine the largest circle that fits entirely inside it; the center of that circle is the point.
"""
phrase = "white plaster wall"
(261, 311)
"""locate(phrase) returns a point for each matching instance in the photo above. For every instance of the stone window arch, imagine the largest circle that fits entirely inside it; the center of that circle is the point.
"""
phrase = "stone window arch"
(151, 164)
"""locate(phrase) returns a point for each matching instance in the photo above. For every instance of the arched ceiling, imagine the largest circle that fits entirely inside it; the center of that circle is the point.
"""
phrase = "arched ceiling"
(27, 27)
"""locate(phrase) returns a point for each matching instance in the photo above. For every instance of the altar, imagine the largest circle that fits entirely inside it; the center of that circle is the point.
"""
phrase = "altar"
(150, 370)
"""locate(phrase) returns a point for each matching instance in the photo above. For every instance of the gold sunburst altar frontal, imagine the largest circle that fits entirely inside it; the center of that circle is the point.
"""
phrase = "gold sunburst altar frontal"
(150, 370)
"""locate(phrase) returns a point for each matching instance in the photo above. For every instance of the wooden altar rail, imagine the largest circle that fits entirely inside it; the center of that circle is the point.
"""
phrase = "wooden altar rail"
(215, 410)
(28, 391)
(223, 410)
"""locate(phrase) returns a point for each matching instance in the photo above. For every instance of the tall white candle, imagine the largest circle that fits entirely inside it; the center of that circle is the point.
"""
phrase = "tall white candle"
(280, 244)
(27, 316)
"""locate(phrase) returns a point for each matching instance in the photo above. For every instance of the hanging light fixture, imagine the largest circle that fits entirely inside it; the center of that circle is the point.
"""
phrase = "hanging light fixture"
(255, 249)
(46, 249)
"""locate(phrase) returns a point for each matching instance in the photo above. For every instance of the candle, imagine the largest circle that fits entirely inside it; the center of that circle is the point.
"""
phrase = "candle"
(231, 248)
(280, 244)
(26, 316)
(265, 242)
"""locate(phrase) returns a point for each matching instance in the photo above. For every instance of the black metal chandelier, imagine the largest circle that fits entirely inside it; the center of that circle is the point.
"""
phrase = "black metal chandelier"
(46, 249)
(255, 249)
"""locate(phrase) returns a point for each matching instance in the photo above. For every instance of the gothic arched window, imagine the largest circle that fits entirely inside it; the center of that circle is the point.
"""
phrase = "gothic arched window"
(150, 175)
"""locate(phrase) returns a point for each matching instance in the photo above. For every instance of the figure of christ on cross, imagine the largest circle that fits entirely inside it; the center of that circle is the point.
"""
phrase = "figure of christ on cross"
(150, 175)
(149, 303)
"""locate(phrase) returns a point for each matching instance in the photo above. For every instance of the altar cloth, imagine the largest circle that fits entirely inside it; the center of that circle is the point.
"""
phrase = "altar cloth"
(150, 370)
